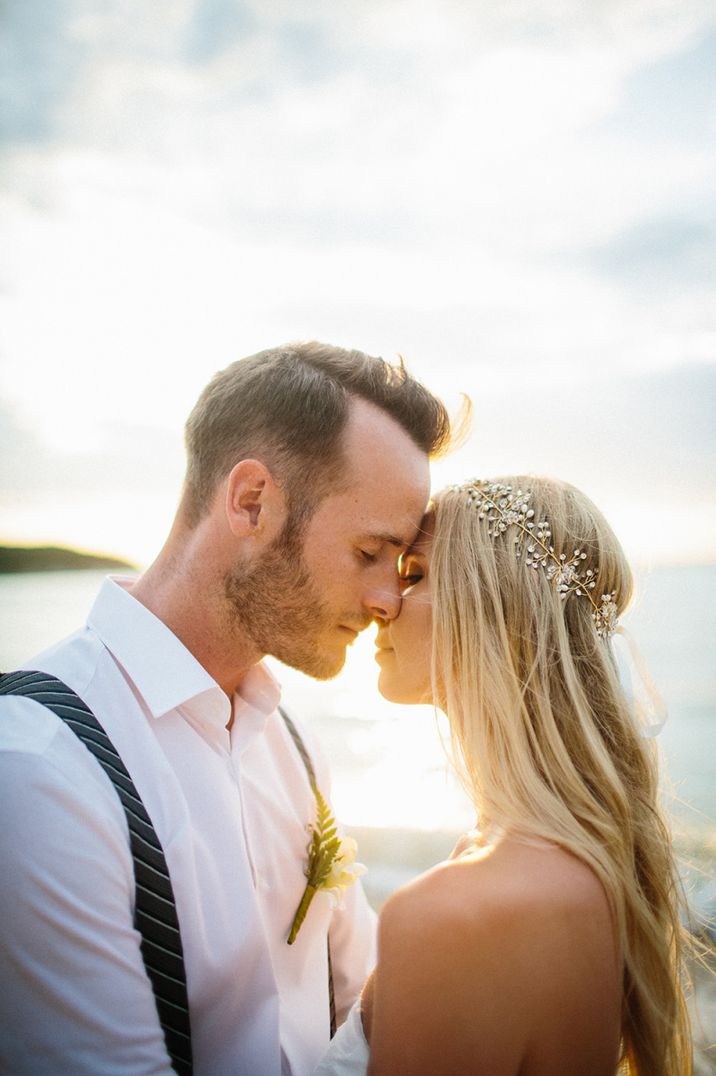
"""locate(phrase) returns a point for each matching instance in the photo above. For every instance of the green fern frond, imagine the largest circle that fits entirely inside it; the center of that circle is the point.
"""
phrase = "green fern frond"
(325, 842)
(323, 851)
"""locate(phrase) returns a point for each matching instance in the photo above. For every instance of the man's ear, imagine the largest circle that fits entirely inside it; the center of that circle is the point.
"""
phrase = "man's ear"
(254, 505)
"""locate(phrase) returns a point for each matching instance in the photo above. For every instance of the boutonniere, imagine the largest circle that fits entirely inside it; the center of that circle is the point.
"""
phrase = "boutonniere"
(331, 864)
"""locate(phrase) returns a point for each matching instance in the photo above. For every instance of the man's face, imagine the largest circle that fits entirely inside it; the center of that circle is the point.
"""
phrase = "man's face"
(311, 593)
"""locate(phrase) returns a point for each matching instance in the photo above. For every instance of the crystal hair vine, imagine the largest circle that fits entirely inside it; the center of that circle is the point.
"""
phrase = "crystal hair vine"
(503, 507)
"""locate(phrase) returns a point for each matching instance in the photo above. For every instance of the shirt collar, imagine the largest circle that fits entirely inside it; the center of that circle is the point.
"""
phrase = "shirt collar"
(258, 696)
(165, 673)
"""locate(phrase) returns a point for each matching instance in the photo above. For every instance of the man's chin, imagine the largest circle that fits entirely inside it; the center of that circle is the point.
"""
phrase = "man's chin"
(319, 666)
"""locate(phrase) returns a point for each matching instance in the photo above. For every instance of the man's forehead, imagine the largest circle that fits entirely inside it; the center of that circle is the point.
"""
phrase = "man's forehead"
(379, 452)
(386, 501)
(412, 535)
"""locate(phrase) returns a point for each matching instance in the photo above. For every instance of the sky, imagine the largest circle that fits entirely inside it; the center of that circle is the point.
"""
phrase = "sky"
(519, 198)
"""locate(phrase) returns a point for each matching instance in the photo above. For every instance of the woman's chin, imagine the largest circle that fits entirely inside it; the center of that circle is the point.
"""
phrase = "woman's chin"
(387, 691)
(394, 691)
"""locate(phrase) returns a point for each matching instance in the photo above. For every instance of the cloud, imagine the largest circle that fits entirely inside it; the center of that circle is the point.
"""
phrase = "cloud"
(650, 438)
(23, 457)
(113, 74)
(664, 253)
(116, 457)
(672, 99)
(40, 62)
(214, 26)
(515, 193)
(470, 125)
(644, 447)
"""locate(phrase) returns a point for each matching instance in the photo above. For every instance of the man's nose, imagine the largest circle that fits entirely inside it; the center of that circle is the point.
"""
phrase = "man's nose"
(383, 603)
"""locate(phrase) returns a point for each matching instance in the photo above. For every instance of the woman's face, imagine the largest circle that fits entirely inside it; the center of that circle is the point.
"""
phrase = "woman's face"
(404, 645)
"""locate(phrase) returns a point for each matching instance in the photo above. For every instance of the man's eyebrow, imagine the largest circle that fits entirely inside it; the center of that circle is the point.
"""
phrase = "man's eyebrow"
(390, 539)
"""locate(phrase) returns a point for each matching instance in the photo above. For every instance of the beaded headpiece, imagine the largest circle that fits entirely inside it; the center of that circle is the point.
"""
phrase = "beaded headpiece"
(503, 508)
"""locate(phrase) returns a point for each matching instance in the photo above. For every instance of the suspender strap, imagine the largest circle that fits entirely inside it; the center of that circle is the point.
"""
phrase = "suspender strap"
(307, 762)
(300, 747)
(155, 912)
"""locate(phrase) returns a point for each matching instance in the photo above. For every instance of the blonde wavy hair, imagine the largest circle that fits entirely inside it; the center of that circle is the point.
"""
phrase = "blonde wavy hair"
(547, 743)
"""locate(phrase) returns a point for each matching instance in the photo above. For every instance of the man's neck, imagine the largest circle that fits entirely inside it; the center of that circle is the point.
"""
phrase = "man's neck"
(186, 596)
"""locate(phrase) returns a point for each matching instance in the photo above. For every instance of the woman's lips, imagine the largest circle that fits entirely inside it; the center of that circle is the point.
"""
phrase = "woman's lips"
(381, 652)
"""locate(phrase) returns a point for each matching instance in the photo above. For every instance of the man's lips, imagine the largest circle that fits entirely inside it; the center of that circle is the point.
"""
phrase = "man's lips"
(357, 628)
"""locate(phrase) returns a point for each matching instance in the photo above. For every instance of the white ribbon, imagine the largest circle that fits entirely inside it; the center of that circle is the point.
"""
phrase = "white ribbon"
(639, 688)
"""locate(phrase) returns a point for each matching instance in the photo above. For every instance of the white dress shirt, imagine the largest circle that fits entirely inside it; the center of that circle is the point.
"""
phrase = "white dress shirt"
(231, 811)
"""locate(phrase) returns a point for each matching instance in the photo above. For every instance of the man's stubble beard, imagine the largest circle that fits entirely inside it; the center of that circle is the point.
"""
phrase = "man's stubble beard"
(276, 605)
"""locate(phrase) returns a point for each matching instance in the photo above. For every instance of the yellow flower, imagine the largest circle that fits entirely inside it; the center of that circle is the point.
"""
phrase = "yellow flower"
(331, 863)
(344, 870)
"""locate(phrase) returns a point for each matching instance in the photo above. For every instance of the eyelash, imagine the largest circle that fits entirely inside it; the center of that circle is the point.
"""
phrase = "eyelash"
(369, 558)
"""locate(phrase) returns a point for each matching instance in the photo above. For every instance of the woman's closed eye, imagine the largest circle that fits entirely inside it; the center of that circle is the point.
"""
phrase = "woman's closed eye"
(408, 581)
(411, 577)
(410, 573)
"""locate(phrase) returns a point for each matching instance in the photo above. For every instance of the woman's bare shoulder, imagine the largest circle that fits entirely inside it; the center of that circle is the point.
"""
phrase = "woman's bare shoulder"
(482, 951)
(512, 884)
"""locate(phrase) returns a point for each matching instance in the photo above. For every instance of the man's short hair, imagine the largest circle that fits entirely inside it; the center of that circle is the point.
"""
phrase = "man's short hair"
(288, 406)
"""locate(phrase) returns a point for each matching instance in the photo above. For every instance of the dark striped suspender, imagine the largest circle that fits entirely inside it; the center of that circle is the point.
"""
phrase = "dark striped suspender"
(155, 912)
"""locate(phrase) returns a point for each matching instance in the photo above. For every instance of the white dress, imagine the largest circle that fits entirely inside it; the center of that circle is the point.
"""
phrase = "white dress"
(347, 1054)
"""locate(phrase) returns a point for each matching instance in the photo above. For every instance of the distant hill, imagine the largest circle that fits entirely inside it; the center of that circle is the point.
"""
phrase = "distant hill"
(54, 559)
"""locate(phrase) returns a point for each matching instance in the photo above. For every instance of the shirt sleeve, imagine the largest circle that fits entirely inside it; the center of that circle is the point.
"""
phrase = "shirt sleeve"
(75, 996)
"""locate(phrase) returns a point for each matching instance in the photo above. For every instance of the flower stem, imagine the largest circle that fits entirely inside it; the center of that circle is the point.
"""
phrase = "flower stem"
(308, 895)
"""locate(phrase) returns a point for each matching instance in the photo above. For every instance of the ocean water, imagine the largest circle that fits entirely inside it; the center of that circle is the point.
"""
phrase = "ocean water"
(392, 784)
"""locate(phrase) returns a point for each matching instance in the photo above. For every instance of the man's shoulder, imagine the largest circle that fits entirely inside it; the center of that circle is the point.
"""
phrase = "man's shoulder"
(25, 723)
(74, 660)
(26, 726)
(42, 760)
